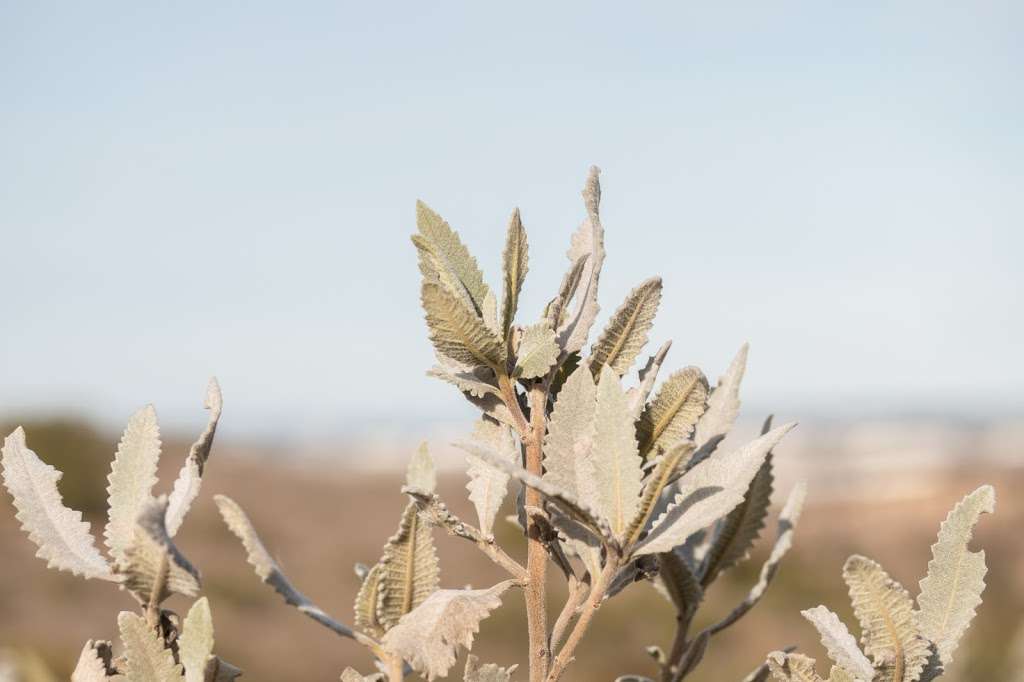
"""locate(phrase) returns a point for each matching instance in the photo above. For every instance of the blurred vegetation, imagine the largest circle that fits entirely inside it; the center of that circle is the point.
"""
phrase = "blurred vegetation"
(76, 448)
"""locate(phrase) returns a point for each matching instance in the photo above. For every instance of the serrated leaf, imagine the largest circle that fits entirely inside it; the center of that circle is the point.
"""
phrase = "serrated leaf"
(537, 352)
(626, 331)
(367, 600)
(93, 663)
(148, 660)
(889, 632)
(792, 667)
(647, 375)
(457, 332)
(410, 569)
(445, 260)
(490, 313)
(63, 539)
(676, 407)
(708, 492)
(486, 672)
(664, 472)
(515, 261)
(195, 644)
(735, 534)
(839, 643)
(420, 473)
(952, 589)
(152, 565)
(429, 636)
(475, 380)
(131, 480)
(568, 460)
(788, 518)
(839, 674)
(615, 455)
(678, 583)
(587, 247)
(488, 485)
(724, 402)
(267, 569)
(186, 487)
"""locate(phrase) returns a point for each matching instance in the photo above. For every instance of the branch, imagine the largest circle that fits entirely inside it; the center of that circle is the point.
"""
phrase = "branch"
(597, 594)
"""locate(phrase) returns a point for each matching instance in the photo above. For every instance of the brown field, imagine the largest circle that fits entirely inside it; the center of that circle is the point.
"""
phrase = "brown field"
(318, 523)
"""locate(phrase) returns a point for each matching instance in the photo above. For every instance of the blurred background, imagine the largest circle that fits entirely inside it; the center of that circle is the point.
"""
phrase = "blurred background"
(227, 189)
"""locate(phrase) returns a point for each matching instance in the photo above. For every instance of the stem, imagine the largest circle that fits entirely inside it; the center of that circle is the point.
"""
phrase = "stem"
(536, 557)
(396, 668)
(597, 592)
(153, 607)
(680, 645)
(577, 593)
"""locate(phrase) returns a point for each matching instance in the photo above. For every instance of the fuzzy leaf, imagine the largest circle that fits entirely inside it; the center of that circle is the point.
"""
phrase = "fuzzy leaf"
(735, 534)
(351, 675)
(648, 374)
(708, 492)
(956, 576)
(428, 636)
(477, 381)
(148, 660)
(367, 600)
(537, 351)
(457, 332)
(515, 261)
(152, 563)
(63, 539)
(587, 247)
(568, 460)
(664, 472)
(93, 663)
(678, 583)
(792, 667)
(626, 332)
(445, 260)
(889, 632)
(724, 401)
(488, 485)
(486, 672)
(267, 569)
(195, 645)
(132, 477)
(839, 643)
(676, 407)
(615, 455)
(410, 568)
(420, 473)
(186, 487)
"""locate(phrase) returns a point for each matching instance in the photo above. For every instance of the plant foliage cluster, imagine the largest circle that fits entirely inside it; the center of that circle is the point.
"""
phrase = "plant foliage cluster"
(614, 480)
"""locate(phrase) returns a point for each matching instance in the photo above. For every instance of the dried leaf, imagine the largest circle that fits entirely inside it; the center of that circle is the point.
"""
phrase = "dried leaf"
(186, 487)
(410, 569)
(676, 407)
(420, 473)
(267, 569)
(735, 534)
(486, 672)
(488, 485)
(724, 401)
(457, 332)
(93, 663)
(840, 644)
(889, 631)
(445, 260)
(626, 332)
(792, 667)
(148, 660)
(152, 564)
(367, 600)
(588, 244)
(956, 576)
(428, 636)
(709, 491)
(132, 477)
(537, 352)
(615, 455)
(195, 645)
(63, 539)
(515, 261)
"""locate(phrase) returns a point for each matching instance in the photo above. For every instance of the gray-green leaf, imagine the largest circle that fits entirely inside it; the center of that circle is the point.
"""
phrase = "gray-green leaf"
(724, 402)
(515, 261)
(445, 260)
(131, 480)
(626, 332)
(195, 645)
(537, 351)
(457, 332)
(148, 660)
(676, 407)
(410, 568)
(588, 244)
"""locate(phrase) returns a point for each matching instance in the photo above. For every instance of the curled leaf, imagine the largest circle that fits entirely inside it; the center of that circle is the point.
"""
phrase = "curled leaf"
(626, 332)
(186, 487)
(410, 571)
(839, 643)
(515, 261)
(152, 566)
(587, 250)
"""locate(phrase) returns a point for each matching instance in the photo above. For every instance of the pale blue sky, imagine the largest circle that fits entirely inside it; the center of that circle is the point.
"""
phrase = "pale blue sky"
(228, 188)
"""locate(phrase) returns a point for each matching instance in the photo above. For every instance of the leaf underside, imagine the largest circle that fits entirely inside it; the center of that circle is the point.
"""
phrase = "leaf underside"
(626, 333)
(671, 415)
(410, 568)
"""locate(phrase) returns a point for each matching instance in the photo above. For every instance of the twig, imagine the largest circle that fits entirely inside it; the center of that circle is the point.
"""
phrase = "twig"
(594, 601)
